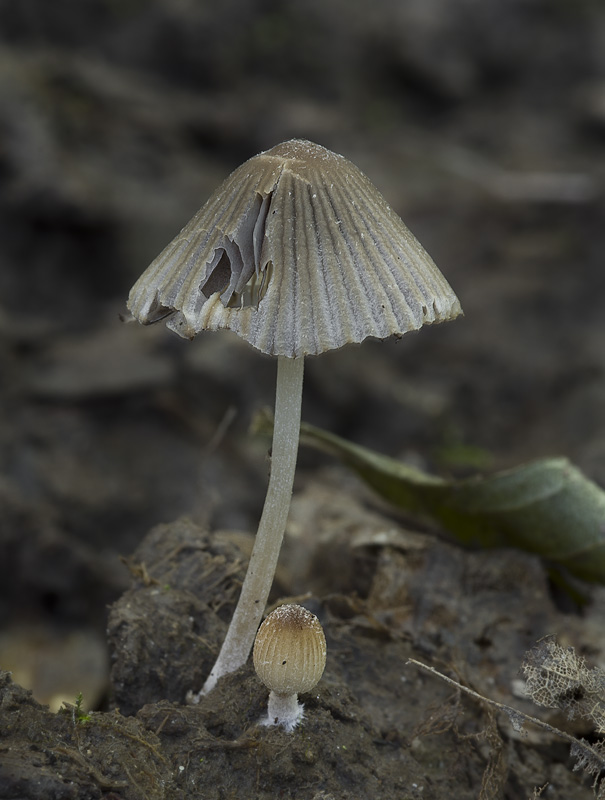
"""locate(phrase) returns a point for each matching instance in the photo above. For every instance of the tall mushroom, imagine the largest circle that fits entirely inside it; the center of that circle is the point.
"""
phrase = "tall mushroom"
(298, 253)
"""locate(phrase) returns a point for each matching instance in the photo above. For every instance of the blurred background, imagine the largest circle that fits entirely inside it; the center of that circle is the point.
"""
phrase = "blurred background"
(483, 124)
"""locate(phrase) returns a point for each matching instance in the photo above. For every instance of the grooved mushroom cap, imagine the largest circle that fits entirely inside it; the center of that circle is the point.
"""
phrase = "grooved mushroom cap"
(290, 650)
(298, 253)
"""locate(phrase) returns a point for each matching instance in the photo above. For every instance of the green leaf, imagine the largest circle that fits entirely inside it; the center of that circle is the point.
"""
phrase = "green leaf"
(547, 507)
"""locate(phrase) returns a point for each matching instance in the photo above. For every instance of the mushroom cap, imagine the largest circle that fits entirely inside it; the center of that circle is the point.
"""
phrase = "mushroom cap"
(290, 650)
(298, 253)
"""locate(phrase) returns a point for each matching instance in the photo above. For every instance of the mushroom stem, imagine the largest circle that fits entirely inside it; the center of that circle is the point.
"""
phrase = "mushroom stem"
(263, 561)
(284, 710)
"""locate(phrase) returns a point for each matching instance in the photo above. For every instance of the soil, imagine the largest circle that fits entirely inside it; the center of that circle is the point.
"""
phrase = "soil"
(130, 484)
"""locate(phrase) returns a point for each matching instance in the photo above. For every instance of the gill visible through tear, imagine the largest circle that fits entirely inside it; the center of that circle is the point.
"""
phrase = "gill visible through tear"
(235, 271)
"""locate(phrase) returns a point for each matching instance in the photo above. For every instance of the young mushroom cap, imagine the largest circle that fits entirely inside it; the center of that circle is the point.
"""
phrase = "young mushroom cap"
(290, 650)
(298, 253)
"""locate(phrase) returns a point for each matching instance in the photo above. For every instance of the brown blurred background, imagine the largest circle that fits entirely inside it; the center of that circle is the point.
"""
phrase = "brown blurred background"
(483, 123)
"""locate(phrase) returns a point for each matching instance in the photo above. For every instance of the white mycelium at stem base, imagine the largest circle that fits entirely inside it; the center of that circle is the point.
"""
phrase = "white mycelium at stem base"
(289, 658)
(263, 561)
(284, 710)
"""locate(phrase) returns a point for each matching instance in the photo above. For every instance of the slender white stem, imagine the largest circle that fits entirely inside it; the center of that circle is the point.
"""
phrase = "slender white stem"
(263, 561)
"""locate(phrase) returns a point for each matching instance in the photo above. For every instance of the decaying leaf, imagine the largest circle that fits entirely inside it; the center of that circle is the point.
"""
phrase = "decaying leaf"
(589, 756)
(557, 677)
(547, 507)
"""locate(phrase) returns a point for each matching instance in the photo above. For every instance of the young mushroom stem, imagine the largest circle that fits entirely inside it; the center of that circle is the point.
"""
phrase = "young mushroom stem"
(263, 561)
(284, 709)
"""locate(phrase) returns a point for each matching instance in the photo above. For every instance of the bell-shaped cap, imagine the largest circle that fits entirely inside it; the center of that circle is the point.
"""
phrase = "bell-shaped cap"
(298, 253)
(290, 650)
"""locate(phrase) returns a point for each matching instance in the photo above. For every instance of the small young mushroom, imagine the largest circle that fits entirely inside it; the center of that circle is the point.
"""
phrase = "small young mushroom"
(298, 253)
(289, 657)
